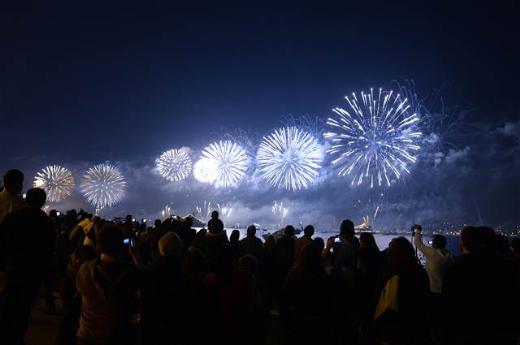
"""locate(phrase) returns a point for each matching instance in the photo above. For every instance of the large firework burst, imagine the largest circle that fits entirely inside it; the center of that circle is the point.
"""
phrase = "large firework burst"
(174, 165)
(103, 185)
(289, 158)
(375, 138)
(57, 182)
(222, 163)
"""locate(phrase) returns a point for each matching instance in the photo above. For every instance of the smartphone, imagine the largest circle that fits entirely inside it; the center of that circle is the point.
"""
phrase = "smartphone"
(126, 241)
(337, 240)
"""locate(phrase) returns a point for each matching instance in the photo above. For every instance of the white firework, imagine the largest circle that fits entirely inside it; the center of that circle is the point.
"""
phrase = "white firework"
(103, 185)
(222, 163)
(280, 212)
(375, 139)
(57, 182)
(289, 158)
(205, 209)
(174, 165)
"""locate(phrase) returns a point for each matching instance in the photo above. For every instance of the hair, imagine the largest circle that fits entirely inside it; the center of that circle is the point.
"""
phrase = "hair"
(188, 222)
(270, 241)
(248, 263)
(13, 181)
(400, 251)
(439, 242)
(251, 230)
(319, 243)
(470, 239)
(308, 231)
(289, 230)
(170, 244)
(347, 228)
(235, 235)
(36, 197)
(367, 240)
(214, 214)
(109, 240)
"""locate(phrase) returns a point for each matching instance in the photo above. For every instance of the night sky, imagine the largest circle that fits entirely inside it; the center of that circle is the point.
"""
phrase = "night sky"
(83, 85)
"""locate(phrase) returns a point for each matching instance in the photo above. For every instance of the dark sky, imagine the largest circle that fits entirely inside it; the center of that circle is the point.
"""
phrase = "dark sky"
(126, 81)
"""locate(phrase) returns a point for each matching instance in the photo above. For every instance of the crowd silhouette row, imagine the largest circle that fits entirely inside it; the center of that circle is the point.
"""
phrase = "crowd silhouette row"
(124, 282)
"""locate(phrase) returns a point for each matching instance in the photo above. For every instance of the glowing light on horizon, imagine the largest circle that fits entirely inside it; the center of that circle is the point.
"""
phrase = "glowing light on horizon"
(174, 165)
(289, 158)
(103, 186)
(223, 164)
(375, 139)
(57, 182)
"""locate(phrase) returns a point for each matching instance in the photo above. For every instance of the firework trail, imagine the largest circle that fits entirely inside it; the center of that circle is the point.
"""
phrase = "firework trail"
(280, 212)
(375, 140)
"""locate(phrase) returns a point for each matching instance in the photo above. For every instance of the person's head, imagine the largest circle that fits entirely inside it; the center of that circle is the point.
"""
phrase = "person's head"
(157, 223)
(269, 243)
(319, 243)
(400, 252)
(109, 240)
(488, 239)
(13, 181)
(170, 245)
(439, 242)
(36, 197)
(469, 240)
(214, 215)
(251, 231)
(346, 229)
(129, 218)
(515, 246)
(367, 240)
(235, 235)
(308, 231)
(289, 231)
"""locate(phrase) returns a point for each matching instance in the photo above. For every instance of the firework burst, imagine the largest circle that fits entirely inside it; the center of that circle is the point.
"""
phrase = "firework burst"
(289, 158)
(57, 182)
(174, 165)
(375, 140)
(103, 185)
(222, 163)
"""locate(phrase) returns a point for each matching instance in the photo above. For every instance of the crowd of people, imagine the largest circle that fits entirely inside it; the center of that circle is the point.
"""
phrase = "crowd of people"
(125, 282)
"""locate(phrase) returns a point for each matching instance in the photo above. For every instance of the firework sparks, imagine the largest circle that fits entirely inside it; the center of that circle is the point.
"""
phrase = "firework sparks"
(103, 185)
(289, 158)
(375, 138)
(174, 165)
(223, 164)
(57, 182)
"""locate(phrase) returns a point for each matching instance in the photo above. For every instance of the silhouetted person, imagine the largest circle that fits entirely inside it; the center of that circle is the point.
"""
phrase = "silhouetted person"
(284, 254)
(306, 303)
(480, 292)
(215, 225)
(108, 289)
(344, 253)
(71, 300)
(27, 239)
(401, 315)
(161, 290)
(10, 198)
(251, 244)
(234, 242)
(302, 242)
